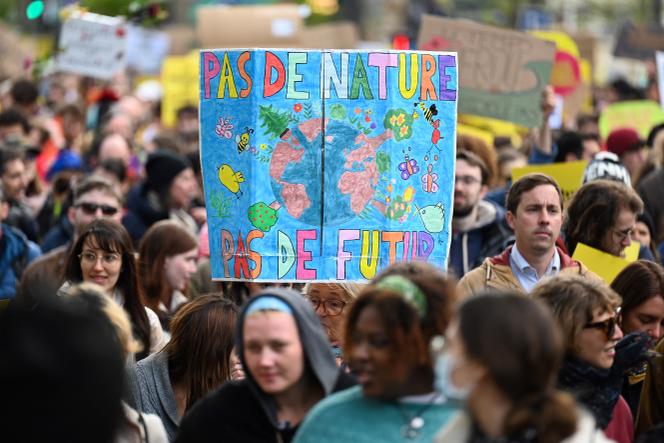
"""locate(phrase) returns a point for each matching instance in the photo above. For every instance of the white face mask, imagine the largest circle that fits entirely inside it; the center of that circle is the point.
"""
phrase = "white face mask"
(445, 364)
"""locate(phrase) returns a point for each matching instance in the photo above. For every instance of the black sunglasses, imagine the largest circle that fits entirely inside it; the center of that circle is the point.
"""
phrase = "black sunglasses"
(91, 208)
(608, 326)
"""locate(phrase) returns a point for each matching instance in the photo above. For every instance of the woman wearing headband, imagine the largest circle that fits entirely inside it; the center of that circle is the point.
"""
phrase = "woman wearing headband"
(289, 367)
(387, 337)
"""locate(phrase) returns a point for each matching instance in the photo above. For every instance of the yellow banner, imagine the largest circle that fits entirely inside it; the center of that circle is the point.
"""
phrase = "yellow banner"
(605, 265)
(179, 79)
(569, 176)
(640, 115)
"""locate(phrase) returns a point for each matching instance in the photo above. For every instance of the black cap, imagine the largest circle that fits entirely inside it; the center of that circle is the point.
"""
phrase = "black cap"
(162, 167)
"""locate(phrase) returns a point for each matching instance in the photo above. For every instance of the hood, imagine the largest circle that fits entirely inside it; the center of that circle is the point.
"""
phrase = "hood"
(317, 353)
(504, 259)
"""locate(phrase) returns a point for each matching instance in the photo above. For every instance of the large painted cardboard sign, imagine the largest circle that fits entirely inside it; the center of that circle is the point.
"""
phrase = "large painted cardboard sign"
(503, 71)
(326, 165)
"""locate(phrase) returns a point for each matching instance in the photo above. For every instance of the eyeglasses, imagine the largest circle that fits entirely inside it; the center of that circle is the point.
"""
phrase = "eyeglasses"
(331, 307)
(91, 208)
(608, 326)
(466, 179)
(622, 235)
(108, 258)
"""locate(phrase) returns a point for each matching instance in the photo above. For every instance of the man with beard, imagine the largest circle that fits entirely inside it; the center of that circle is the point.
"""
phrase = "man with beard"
(479, 229)
(94, 197)
(535, 213)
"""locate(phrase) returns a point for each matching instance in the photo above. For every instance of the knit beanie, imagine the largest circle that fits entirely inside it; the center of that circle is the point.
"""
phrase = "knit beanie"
(162, 167)
(606, 165)
(622, 140)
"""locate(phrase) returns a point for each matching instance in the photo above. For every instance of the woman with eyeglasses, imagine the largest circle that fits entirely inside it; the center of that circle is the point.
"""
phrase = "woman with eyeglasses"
(387, 337)
(586, 311)
(332, 301)
(499, 358)
(103, 255)
(166, 260)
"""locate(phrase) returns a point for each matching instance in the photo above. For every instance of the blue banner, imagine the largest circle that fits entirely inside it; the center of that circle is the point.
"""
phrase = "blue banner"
(326, 165)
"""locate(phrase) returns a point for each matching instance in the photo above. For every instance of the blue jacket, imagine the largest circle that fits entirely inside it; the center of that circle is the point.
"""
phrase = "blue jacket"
(16, 252)
(59, 235)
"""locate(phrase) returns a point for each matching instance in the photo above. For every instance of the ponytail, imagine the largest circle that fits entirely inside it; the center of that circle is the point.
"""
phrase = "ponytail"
(552, 415)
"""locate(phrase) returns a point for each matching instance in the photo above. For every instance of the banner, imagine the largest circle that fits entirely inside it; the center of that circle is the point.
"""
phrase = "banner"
(605, 265)
(179, 77)
(326, 165)
(146, 49)
(568, 175)
(92, 45)
(504, 71)
(640, 115)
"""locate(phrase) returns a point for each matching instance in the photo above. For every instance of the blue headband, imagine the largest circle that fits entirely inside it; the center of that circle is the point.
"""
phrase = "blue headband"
(407, 289)
(268, 303)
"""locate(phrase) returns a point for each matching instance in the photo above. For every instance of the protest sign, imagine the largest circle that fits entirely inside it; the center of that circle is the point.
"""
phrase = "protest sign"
(569, 175)
(92, 45)
(504, 71)
(641, 115)
(660, 76)
(249, 26)
(146, 49)
(606, 266)
(326, 165)
(638, 43)
(179, 80)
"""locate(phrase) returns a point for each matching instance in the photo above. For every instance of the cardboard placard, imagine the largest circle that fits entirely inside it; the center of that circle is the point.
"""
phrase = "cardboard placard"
(179, 80)
(336, 35)
(326, 165)
(92, 45)
(14, 53)
(568, 175)
(146, 49)
(659, 60)
(638, 43)
(641, 115)
(277, 26)
(503, 71)
(606, 266)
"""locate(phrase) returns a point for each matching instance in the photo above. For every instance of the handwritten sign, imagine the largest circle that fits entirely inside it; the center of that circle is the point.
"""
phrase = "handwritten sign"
(92, 45)
(178, 74)
(146, 49)
(326, 165)
(569, 175)
(641, 115)
(605, 265)
(659, 59)
(504, 72)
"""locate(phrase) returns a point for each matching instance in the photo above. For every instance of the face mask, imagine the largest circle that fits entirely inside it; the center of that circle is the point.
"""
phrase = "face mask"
(443, 381)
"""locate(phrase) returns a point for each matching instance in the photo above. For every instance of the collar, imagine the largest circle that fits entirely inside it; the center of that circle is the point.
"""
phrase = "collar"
(520, 261)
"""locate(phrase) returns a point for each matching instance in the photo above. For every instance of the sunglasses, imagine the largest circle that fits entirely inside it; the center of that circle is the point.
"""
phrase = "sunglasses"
(608, 326)
(91, 208)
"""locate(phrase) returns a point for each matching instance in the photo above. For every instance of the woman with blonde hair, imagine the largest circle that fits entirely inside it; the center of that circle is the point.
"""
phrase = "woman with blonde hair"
(135, 426)
(332, 301)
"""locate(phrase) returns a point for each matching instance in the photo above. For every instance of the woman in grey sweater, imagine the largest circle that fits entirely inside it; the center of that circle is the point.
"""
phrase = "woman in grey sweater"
(169, 382)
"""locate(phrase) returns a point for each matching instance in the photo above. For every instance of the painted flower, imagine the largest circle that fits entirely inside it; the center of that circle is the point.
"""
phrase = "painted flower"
(403, 130)
(408, 194)
(263, 146)
(393, 120)
(297, 107)
(358, 110)
(401, 118)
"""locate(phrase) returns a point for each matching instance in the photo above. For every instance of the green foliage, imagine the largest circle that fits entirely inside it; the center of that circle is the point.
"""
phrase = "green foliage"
(262, 216)
(274, 121)
(338, 111)
(383, 162)
(222, 205)
(400, 122)
(107, 7)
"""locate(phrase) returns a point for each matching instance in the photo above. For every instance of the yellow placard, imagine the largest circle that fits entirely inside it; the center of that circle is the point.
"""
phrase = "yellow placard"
(569, 175)
(179, 79)
(485, 136)
(605, 265)
(641, 115)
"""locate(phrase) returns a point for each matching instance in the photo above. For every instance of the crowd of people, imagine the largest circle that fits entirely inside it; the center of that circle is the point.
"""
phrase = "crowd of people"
(111, 329)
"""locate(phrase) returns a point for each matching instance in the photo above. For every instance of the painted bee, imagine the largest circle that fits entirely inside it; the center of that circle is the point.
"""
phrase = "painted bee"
(242, 140)
(429, 112)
